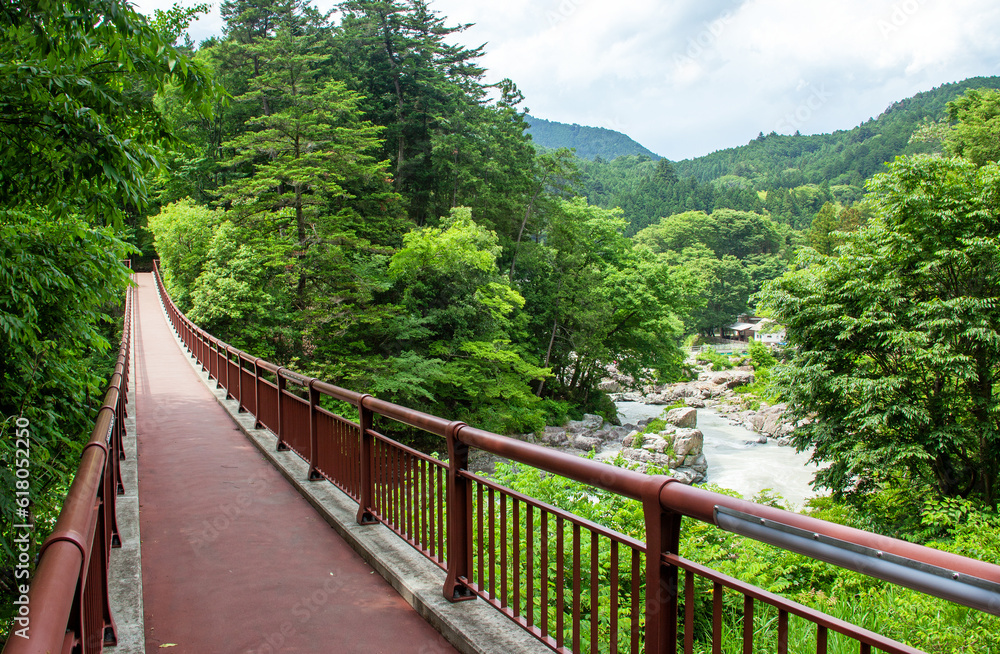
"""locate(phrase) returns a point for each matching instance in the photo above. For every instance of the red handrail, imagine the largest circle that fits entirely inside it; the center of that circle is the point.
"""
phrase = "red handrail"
(64, 612)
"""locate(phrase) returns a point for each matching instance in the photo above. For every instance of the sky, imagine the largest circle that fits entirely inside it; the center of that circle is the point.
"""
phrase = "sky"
(687, 77)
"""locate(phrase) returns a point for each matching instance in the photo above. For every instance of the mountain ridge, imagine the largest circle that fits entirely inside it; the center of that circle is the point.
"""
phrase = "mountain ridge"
(588, 142)
(847, 156)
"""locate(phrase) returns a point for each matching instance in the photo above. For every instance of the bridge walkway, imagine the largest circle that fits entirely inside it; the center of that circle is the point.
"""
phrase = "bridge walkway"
(233, 558)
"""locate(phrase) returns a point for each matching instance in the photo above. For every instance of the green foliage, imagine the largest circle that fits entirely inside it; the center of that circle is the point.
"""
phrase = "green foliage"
(717, 361)
(76, 78)
(846, 157)
(724, 257)
(977, 124)
(592, 299)
(182, 233)
(760, 356)
(79, 137)
(242, 290)
(897, 336)
(655, 426)
(459, 322)
(59, 314)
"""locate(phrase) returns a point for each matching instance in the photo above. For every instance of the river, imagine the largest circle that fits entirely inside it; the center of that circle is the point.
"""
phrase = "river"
(737, 461)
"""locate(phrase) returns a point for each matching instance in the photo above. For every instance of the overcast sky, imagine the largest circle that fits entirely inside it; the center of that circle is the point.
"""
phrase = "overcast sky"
(688, 77)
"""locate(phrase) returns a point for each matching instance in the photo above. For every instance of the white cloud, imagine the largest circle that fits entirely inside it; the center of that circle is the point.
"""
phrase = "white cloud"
(687, 77)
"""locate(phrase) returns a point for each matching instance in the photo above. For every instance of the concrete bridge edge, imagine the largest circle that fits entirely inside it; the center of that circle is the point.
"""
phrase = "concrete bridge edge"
(125, 567)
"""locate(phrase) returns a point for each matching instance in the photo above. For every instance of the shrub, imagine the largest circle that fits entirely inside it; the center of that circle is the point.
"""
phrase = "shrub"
(718, 362)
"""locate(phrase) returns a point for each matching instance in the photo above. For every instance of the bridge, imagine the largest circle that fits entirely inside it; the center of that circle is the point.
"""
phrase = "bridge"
(263, 511)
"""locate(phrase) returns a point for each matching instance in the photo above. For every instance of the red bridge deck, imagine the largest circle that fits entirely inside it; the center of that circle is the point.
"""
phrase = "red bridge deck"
(233, 558)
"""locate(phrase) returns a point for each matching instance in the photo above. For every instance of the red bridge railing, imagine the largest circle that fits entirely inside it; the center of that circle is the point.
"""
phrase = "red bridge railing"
(575, 585)
(68, 607)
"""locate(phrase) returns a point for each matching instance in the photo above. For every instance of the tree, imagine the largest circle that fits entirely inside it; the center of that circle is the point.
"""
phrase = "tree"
(305, 158)
(182, 235)
(458, 330)
(595, 299)
(80, 131)
(976, 132)
(416, 85)
(898, 336)
(821, 231)
(722, 287)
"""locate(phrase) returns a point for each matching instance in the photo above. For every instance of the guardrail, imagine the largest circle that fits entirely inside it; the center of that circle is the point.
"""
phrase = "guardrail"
(575, 585)
(68, 604)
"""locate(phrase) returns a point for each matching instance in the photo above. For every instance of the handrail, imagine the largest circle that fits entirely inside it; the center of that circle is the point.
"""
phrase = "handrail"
(665, 501)
(64, 612)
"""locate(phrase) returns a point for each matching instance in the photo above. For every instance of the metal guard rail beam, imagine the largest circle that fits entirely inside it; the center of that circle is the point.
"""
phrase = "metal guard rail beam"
(65, 612)
(955, 578)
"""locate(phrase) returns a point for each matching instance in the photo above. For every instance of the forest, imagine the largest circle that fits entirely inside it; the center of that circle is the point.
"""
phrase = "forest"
(343, 194)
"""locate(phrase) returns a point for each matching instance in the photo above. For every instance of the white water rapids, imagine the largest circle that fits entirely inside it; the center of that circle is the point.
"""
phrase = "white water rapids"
(737, 461)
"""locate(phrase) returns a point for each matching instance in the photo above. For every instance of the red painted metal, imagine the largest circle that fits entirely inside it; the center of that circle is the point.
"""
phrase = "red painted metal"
(68, 599)
(440, 510)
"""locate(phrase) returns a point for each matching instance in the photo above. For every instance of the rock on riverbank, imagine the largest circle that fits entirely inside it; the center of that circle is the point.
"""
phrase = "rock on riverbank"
(677, 447)
(715, 389)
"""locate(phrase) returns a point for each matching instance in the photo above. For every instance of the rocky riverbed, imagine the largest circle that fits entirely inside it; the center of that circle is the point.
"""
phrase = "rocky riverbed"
(676, 444)
(713, 389)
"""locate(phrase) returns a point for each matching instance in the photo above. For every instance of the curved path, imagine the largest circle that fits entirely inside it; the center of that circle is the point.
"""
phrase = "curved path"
(233, 558)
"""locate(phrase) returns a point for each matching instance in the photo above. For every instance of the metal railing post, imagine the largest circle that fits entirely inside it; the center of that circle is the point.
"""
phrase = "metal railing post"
(460, 531)
(256, 392)
(229, 376)
(281, 446)
(663, 529)
(314, 474)
(203, 359)
(366, 494)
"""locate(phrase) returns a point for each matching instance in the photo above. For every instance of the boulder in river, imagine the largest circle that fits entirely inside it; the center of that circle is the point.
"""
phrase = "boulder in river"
(683, 417)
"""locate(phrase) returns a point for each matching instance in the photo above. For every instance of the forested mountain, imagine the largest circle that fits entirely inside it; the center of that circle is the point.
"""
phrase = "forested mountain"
(846, 157)
(790, 178)
(588, 142)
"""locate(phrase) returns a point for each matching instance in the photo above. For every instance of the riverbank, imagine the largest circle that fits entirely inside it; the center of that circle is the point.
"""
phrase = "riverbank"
(736, 459)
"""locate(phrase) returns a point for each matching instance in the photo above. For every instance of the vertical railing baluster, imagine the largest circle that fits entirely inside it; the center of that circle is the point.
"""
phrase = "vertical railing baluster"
(442, 478)
(529, 556)
(689, 612)
(821, 638)
(717, 591)
(503, 550)
(782, 632)
(256, 392)
(560, 581)
(480, 538)
(747, 624)
(515, 552)
(493, 547)
(613, 626)
(595, 595)
(576, 587)
(543, 573)
(637, 606)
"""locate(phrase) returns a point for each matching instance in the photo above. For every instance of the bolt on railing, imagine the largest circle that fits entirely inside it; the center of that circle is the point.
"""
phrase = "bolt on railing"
(496, 544)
